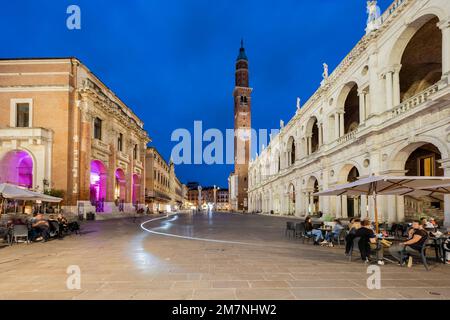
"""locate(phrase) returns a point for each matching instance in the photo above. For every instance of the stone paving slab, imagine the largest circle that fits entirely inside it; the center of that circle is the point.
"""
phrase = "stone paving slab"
(119, 260)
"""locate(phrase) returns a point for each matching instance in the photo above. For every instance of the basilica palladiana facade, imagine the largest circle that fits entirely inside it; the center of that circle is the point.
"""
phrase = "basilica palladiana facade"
(385, 110)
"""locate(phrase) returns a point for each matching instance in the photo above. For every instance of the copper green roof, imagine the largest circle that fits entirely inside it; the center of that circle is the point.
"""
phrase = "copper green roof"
(242, 55)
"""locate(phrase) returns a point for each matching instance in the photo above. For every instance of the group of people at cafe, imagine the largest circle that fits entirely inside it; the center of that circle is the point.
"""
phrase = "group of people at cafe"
(418, 233)
(40, 228)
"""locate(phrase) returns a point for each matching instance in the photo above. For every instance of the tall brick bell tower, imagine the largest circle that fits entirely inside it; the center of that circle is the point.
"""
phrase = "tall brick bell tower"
(242, 128)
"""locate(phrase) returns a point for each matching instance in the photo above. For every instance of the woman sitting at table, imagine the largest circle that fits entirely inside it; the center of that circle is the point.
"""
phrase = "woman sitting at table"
(368, 242)
(334, 234)
(317, 234)
(353, 226)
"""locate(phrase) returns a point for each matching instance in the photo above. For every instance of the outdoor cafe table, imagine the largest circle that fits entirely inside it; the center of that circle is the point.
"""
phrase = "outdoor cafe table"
(325, 230)
(438, 245)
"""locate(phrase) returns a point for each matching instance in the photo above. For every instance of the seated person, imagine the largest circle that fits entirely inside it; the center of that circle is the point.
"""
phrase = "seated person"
(66, 225)
(63, 223)
(434, 223)
(39, 228)
(334, 234)
(317, 234)
(418, 236)
(425, 224)
(353, 226)
(54, 225)
(368, 242)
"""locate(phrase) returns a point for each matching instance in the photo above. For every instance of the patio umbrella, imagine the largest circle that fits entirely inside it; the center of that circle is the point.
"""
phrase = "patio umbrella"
(391, 185)
(10, 191)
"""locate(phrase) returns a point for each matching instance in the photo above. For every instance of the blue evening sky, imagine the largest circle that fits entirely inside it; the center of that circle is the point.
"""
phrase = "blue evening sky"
(172, 61)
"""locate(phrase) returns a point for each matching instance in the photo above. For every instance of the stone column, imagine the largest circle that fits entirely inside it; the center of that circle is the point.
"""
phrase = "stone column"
(336, 125)
(389, 93)
(396, 85)
(85, 153)
(344, 211)
(320, 134)
(392, 208)
(446, 166)
(309, 145)
(341, 124)
(377, 94)
(445, 28)
(362, 106)
(306, 201)
(364, 206)
(298, 203)
(111, 172)
(338, 206)
(400, 209)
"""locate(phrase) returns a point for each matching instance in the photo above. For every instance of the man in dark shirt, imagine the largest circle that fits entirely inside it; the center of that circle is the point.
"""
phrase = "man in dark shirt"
(40, 228)
(368, 242)
(418, 237)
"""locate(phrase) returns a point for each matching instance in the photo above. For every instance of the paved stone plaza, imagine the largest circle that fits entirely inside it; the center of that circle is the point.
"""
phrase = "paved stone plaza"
(251, 260)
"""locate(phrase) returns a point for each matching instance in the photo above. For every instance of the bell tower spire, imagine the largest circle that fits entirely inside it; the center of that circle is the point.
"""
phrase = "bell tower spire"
(242, 129)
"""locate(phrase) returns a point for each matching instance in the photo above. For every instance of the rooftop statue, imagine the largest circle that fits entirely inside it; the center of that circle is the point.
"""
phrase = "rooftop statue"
(374, 19)
(325, 71)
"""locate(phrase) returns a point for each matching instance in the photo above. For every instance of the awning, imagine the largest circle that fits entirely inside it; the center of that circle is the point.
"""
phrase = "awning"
(391, 185)
(10, 191)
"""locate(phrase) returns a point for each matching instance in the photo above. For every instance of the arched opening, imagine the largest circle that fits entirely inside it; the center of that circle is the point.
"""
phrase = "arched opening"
(421, 62)
(351, 110)
(291, 151)
(16, 167)
(422, 159)
(136, 189)
(312, 134)
(313, 200)
(353, 202)
(291, 200)
(120, 187)
(98, 180)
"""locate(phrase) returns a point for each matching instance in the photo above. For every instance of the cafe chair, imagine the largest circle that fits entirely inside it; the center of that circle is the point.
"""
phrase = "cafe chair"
(354, 247)
(422, 253)
(20, 231)
(290, 229)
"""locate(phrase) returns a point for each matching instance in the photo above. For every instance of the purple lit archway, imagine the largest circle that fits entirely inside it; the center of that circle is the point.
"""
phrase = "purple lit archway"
(98, 181)
(120, 188)
(136, 188)
(16, 167)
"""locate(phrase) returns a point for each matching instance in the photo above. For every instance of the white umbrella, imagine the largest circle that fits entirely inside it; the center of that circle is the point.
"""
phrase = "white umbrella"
(10, 191)
(391, 185)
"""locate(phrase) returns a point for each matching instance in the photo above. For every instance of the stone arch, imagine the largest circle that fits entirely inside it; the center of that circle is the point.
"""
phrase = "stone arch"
(312, 135)
(18, 167)
(345, 170)
(292, 198)
(276, 160)
(350, 205)
(98, 181)
(136, 189)
(120, 185)
(291, 150)
(421, 158)
(313, 202)
(405, 36)
(404, 150)
(348, 101)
